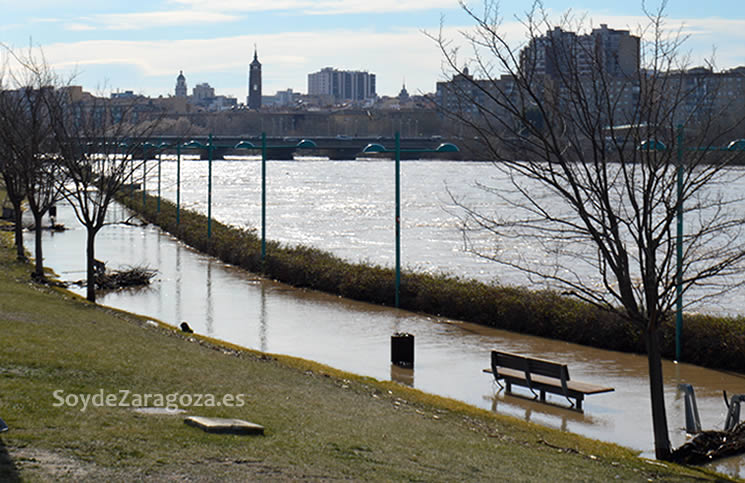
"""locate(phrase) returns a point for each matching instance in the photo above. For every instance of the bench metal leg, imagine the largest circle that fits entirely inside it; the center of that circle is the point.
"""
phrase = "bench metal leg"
(543, 395)
(579, 402)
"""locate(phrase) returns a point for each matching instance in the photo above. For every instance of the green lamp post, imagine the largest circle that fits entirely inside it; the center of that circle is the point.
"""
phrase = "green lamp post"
(379, 148)
(209, 146)
(736, 145)
(302, 144)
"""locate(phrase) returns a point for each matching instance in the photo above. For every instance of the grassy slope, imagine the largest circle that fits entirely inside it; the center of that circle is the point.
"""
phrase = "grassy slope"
(321, 423)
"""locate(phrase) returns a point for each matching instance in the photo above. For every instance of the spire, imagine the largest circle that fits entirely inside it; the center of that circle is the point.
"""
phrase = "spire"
(256, 57)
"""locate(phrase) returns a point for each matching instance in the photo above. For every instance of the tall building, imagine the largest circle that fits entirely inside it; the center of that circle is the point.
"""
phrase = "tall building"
(254, 83)
(615, 52)
(342, 85)
(181, 85)
(604, 66)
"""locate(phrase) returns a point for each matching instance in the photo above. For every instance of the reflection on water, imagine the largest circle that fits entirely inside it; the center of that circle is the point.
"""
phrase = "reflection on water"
(239, 307)
(402, 375)
(535, 411)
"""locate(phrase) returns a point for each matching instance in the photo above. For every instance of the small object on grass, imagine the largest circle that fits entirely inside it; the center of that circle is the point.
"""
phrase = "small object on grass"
(168, 411)
(224, 425)
(3, 426)
(185, 328)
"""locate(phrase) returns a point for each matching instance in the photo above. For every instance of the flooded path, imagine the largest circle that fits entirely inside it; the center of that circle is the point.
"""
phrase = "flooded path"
(233, 305)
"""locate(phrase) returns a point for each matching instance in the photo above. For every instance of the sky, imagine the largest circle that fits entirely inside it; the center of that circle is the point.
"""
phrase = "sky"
(110, 46)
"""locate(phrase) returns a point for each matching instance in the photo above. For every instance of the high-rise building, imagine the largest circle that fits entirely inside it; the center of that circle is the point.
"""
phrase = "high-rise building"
(342, 85)
(181, 85)
(614, 52)
(254, 83)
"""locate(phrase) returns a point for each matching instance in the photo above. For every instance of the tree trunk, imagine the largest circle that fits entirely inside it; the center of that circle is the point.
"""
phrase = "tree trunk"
(39, 262)
(90, 270)
(17, 206)
(657, 391)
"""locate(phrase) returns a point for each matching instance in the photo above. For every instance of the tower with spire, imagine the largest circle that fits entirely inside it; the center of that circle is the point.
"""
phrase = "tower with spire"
(181, 85)
(254, 83)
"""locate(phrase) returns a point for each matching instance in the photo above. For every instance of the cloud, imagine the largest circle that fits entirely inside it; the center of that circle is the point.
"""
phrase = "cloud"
(392, 55)
(139, 21)
(326, 7)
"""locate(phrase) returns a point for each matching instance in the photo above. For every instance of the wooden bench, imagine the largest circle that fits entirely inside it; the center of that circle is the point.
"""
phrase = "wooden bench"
(540, 375)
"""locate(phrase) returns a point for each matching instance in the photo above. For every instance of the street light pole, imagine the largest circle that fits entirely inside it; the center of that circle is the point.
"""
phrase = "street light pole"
(263, 197)
(209, 189)
(178, 184)
(398, 217)
(679, 249)
(303, 144)
(160, 160)
(379, 148)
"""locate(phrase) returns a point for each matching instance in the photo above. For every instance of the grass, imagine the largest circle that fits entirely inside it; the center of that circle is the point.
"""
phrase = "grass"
(320, 423)
(715, 342)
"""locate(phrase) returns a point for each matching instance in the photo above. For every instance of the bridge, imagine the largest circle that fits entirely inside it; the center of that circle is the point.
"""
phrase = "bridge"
(284, 148)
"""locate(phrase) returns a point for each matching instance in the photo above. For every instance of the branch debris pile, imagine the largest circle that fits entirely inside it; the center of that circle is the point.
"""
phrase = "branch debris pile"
(708, 446)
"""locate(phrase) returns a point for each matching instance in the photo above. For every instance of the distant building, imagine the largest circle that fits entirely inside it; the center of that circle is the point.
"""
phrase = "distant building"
(203, 92)
(281, 99)
(342, 85)
(704, 93)
(615, 52)
(123, 95)
(560, 62)
(403, 96)
(254, 83)
(181, 85)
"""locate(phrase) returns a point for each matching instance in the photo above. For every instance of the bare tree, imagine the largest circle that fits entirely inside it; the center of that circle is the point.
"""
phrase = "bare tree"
(596, 151)
(99, 140)
(14, 187)
(26, 133)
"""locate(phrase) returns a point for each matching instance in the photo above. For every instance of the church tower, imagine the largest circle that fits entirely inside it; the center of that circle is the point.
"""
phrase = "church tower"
(254, 83)
(181, 85)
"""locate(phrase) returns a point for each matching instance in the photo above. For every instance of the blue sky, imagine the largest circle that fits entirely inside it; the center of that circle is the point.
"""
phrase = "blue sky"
(142, 45)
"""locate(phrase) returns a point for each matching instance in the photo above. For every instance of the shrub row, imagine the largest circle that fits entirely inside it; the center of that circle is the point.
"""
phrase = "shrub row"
(715, 342)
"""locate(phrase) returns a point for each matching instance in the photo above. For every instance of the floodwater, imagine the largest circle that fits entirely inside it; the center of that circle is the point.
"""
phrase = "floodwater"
(233, 305)
(347, 208)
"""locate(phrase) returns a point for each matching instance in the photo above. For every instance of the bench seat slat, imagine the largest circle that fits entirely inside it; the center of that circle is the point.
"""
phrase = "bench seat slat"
(574, 386)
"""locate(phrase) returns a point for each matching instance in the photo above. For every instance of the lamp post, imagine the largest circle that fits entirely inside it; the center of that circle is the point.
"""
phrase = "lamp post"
(178, 184)
(209, 147)
(379, 148)
(160, 161)
(736, 145)
(302, 144)
(146, 149)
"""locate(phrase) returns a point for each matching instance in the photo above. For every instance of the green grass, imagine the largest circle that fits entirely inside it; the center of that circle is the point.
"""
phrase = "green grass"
(320, 423)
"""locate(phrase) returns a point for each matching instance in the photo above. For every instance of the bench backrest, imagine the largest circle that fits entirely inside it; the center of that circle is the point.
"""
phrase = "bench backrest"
(530, 366)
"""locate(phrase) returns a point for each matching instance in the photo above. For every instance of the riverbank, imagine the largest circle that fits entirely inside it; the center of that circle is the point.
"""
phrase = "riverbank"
(320, 423)
(708, 341)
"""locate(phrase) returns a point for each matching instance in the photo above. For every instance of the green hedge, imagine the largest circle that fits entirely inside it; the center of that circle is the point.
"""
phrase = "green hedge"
(709, 341)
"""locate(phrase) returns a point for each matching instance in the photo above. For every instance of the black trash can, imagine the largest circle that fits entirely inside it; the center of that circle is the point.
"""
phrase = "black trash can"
(402, 349)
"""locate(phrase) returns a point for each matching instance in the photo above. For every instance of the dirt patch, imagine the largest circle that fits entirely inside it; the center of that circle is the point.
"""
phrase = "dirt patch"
(51, 466)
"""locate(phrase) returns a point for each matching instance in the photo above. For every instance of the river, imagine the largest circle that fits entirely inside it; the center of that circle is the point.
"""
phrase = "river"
(347, 208)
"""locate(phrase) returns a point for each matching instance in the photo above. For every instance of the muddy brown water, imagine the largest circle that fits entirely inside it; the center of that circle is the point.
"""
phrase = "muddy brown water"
(233, 305)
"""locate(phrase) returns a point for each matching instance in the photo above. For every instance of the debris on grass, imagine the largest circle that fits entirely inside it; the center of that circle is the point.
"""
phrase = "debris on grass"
(708, 446)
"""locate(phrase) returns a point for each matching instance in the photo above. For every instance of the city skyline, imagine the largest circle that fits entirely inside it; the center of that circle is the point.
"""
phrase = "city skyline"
(142, 46)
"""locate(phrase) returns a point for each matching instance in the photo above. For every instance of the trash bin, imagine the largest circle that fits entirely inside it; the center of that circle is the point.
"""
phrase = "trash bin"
(402, 349)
